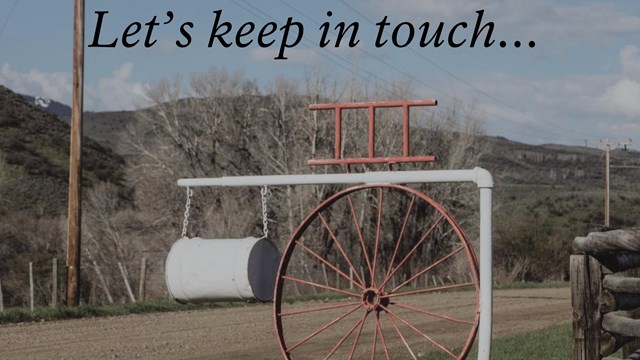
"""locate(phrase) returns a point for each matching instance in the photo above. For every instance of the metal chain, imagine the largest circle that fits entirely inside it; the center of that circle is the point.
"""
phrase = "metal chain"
(265, 221)
(187, 206)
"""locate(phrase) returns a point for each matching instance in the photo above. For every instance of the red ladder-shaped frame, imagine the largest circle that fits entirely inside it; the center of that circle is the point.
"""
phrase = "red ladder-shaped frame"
(371, 158)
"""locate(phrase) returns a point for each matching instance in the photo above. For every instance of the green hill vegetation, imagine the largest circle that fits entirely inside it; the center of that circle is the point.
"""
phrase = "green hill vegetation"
(34, 150)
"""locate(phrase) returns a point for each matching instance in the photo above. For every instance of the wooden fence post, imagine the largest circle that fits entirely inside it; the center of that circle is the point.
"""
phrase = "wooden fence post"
(143, 278)
(324, 273)
(599, 326)
(126, 282)
(350, 277)
(586, 285)
(306, 268)
(634, 345)
(102, 282)
(54, 283)
(1, 299)
(31, 304)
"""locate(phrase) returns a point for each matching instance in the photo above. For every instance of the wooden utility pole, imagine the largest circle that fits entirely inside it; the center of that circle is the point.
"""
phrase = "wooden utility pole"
(75, 160)
(606, 144)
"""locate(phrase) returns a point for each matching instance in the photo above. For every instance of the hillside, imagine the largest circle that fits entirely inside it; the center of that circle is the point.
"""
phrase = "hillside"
(53, 107)
(544, 195)
(564, 184)
(34, 146)
(104, 127)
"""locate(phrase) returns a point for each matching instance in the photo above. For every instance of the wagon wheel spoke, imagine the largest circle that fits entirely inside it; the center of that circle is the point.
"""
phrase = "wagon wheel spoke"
(384, 342)
(359, 232)
(344, 255)
(395, 250)
(428, 268)
(322, 308)
(323, 328)
(377, 242)
(324, 261)
(435, 343)
(374, 343)
(434, 315)
(404, 341)
(305, 282)
(435, 289)
(344, 338)
(412, 251)
(355, 342)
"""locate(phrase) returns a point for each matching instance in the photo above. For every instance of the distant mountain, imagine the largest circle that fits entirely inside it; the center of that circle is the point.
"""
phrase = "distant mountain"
(560, 166)
(34, 151)
(51, 106)
(103, 126)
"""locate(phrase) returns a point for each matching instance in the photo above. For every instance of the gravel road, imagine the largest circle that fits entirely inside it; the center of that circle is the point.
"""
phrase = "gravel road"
(228, 333)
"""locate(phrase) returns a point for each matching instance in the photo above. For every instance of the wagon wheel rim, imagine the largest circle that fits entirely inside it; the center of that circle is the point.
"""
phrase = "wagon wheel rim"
(370, 300)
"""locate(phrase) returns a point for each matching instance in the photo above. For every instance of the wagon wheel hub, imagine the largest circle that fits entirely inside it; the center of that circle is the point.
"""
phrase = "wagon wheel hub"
(373, 299)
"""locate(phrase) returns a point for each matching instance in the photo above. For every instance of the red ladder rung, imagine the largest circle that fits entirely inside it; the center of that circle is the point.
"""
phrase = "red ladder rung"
(372, 106)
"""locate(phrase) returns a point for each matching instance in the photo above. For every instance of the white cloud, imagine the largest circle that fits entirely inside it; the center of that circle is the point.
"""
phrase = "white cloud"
(566, 109)
(111, 93)
(541, 20)
(622, 98)
(117, 92)
(630, 60)
(56, 86)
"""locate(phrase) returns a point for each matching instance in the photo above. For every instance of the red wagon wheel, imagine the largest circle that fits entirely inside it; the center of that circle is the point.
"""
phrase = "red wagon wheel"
(377, 270)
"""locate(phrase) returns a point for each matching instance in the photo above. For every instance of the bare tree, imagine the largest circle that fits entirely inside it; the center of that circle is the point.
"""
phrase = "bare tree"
(220, 124)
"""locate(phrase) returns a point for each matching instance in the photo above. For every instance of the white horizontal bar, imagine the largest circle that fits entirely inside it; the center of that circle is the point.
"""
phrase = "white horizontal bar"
(477, 175)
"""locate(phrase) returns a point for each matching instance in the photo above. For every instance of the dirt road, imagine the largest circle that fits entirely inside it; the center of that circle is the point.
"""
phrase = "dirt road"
(232, 333)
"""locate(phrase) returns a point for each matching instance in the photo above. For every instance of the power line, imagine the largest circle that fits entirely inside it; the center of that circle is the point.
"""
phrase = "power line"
(429, 86)
(372, 56)
(416, 79)
(312, 47)
(6, 21)
(457, 78)
(395, 68)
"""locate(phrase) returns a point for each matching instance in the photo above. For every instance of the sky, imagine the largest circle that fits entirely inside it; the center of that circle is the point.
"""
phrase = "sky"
(580, 82)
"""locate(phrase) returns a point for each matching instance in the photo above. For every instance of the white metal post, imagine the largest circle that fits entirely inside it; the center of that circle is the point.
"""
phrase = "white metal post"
(486, 277)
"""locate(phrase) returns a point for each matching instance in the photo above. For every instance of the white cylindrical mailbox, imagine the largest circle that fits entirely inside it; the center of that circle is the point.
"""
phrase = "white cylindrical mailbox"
(222, 269)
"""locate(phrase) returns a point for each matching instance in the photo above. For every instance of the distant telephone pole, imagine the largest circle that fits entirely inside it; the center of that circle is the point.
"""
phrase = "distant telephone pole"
(607, 145)
(75, 160)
